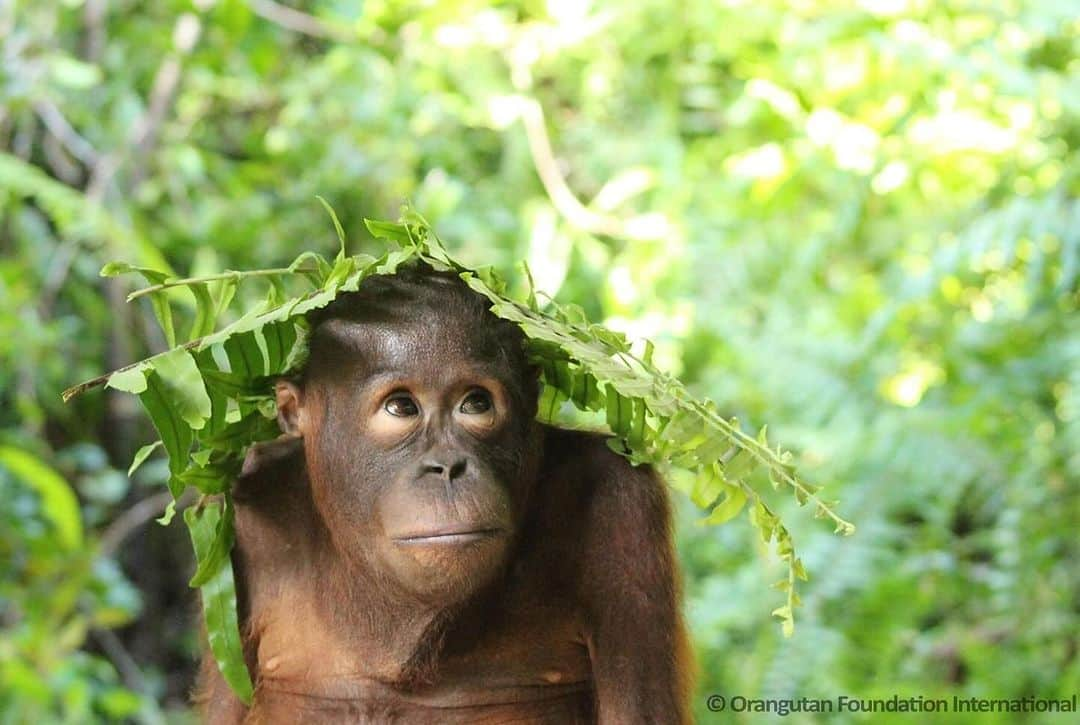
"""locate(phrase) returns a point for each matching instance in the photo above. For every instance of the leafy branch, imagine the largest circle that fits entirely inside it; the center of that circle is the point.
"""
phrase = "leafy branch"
(211, 397)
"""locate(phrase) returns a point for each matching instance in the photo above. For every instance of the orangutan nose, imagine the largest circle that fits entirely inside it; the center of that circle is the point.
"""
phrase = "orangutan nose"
(445, 468)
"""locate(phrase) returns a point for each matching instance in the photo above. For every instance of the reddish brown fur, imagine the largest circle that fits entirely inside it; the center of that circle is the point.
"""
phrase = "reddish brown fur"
(581, 624)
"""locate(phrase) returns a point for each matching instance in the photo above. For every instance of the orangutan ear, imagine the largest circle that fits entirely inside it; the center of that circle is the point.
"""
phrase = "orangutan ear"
(290, 408)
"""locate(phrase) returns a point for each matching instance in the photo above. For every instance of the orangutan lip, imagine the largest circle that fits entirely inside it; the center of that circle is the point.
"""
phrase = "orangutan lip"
(449, 536)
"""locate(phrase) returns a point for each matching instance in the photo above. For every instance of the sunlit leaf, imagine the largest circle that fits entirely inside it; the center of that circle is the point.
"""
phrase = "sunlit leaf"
(170, 511)
(729, 508)
(58, 502)
(219, 599)
(205, 312)
(141, 455)
(245, 356)
(176, 435)
(181, 378)
(129, 380)
(210, 525)
(159, 302)
(389, 231)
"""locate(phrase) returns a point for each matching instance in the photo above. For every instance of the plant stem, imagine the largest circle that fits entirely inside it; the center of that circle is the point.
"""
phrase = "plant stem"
(102, 379)
(188, 281)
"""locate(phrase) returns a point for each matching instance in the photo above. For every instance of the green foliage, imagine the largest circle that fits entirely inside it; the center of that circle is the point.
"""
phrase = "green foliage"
(211, 527)
(855, 221)
(57, 591)
(208, 414)
(59, 505)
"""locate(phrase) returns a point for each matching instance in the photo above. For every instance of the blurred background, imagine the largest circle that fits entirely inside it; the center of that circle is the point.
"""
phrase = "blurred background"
(855, 221)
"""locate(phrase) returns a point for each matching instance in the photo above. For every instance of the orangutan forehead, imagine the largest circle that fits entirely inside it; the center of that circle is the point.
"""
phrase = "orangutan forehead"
(401, 339)
(422, 345)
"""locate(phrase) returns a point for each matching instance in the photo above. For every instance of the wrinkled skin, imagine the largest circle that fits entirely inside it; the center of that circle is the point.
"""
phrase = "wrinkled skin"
(416, 548)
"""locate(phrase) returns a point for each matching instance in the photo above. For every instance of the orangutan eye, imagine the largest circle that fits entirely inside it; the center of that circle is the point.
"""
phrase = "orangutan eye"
(477, 402)
(401, 406)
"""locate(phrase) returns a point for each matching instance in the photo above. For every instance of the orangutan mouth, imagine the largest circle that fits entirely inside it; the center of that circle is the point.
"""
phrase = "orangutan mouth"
(448, 536)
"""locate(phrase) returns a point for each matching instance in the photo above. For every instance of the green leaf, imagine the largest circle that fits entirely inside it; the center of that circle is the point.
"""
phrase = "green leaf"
(787, 618)
(343, 267)
(205, 312)
(175, 433)
(153, 276)
(738, 464)
(212, 526)
(212, 478)
(797, 568)
(391, 262)
(586, 394)
(337, 225)
(427, 240)
(141, 455)
(176, 486)
(233, 385)
(551, 399)
(619, 412)
(183, 381)
(493, 284)
(219, 605)
(313, 266)
(530, 299)
(782, 612)
(388, 230)
(636, 435)
(218, 391)
(557, 374)
(572, 314)
(223, 293)
(764, 520)
(170, 511)
(58, 502)
(708, 486)
(729, 508)
(114, 269)
(237, 436)
(280, 338)
(129, 380)
(159, 302)
(276, 295)
(615, 340)
(245, 357)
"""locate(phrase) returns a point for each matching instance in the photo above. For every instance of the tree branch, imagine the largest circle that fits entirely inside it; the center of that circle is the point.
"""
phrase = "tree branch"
(59, 127)
(296, 21)
(143, 136)
(102, 379)
(144, 131)
(562, 198)
(94, 18)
